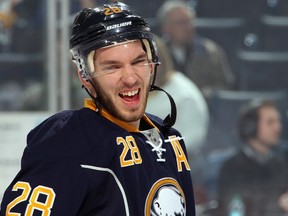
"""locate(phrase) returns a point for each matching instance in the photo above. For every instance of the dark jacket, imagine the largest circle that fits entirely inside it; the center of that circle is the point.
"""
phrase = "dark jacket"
(258, 184)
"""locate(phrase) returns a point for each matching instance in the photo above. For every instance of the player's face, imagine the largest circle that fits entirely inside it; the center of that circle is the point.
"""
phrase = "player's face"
(122, 80)
(269, 126)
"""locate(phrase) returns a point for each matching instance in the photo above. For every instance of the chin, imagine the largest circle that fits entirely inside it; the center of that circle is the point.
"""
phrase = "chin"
(130, 115)
(134, 116)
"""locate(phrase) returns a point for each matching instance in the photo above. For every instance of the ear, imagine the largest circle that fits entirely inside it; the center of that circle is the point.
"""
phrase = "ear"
(152, 69)
(86, 82)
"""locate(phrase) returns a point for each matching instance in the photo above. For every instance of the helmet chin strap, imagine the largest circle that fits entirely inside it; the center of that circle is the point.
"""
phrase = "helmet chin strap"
(92, 97)
(170, 119)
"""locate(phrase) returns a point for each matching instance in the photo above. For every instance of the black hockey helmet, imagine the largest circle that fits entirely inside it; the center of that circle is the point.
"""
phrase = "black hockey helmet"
(107, 25)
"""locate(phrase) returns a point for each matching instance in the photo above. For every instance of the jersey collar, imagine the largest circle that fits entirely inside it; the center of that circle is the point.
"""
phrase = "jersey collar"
(89, 103)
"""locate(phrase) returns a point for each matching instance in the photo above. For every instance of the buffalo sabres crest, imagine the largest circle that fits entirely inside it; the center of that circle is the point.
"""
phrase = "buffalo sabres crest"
(165, 198)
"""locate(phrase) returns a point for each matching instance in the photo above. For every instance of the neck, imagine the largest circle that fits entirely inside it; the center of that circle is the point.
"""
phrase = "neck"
(259, 146)
(135, 124)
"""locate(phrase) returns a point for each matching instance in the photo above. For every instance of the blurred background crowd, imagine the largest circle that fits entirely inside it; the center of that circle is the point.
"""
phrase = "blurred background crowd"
(217, 57)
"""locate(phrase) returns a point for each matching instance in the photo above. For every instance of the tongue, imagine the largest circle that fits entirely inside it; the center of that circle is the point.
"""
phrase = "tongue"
(129, 98)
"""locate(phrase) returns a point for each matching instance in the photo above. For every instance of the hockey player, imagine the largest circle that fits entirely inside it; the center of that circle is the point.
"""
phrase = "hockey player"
(110, 157)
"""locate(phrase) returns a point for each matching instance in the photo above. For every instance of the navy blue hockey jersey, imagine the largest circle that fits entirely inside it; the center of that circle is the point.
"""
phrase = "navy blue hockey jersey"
(87, 163)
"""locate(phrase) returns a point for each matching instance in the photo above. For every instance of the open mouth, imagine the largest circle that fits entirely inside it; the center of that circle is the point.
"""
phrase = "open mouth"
(130, 96)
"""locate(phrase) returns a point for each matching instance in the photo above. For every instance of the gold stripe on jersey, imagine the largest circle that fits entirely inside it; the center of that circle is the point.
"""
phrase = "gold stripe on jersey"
(91, 105)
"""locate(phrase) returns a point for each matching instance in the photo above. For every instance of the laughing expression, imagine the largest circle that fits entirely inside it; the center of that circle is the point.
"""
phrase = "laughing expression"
(122, 79)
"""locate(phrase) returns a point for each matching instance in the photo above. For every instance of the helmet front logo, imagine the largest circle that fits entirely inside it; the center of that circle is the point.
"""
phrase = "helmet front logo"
(119, 25)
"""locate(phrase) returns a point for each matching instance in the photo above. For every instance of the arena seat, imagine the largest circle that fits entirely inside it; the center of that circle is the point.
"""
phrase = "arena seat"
(262, 71)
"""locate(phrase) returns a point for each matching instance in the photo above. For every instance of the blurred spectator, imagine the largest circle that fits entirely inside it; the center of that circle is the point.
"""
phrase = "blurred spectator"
(28, 30)
(21, 49)
(147, 9)
(253, 182)
(87, 3)
(201, 59)
(7, 20)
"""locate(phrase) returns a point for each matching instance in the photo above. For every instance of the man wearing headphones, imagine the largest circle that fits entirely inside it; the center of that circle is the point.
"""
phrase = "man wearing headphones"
(254, 182)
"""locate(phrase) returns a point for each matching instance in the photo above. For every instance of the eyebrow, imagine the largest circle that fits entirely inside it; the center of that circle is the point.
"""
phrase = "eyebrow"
(110, 62)
(141, 56)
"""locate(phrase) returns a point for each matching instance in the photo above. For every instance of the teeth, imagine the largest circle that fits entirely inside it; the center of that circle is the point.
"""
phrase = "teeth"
(130, 93)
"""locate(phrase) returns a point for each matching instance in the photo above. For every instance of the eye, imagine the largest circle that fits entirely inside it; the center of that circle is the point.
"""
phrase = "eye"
(111, 68)
(140, 62)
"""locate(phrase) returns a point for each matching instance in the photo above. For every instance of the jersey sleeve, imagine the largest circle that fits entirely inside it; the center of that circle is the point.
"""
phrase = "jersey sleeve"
(45, 187)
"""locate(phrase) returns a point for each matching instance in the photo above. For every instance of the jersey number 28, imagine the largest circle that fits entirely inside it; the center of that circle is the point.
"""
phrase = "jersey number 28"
(34, 204)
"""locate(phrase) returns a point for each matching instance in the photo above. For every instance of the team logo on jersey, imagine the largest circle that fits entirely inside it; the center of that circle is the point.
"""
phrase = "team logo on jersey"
(155, 141)
(165, 198)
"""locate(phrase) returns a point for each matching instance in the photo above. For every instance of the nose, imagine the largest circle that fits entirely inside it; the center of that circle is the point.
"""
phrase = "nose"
(129, 75)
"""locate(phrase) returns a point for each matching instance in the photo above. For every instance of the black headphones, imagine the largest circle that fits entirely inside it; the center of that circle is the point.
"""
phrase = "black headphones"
(249, 117)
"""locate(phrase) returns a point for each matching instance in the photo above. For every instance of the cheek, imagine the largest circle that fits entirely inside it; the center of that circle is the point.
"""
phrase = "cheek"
(144, 77)
(105, 82)
(99, 87)
(148, 80)
(266, 131)
(261, 131)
